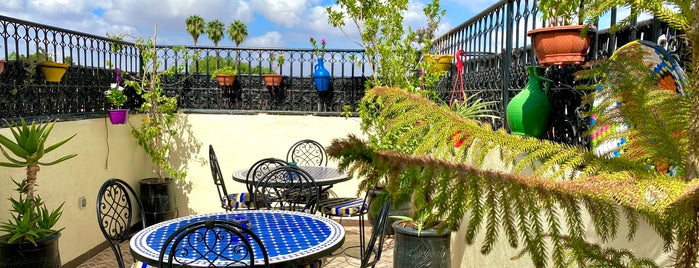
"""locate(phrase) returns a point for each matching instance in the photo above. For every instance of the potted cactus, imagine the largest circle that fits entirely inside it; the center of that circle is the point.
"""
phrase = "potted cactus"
(30, 240)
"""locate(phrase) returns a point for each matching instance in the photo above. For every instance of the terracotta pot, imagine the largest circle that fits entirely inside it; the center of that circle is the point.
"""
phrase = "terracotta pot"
(560, 44)
(272, 79)
(2, 65)
(53, 71)
(225, 79)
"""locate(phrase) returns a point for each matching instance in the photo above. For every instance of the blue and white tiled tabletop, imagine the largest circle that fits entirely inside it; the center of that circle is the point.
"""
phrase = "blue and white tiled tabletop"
(287, 235)
(321, 175)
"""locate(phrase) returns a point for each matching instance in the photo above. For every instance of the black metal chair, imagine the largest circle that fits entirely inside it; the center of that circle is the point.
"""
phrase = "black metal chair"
(288, 188)
(347, 207)
(259, 169)
(228, 201)
(217, 243)
(372, 254)
(307, 153)
(115, 213)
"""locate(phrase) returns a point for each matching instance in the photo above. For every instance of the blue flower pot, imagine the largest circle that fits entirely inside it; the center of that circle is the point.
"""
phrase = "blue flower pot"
(321, 76)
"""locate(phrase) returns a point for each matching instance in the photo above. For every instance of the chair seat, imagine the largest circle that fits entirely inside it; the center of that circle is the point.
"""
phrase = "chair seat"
(344, 206)
(239, 200)
(139, 264)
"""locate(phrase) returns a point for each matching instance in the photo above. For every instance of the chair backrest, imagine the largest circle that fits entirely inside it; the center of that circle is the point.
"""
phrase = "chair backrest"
(288, 188)
(115, 212)
(307, 153)
(218, 179)
(259, 169)
(372, 253)
(218, 243)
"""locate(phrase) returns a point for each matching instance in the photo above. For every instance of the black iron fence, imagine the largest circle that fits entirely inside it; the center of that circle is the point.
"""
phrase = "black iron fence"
(495, 41)
(498, 50)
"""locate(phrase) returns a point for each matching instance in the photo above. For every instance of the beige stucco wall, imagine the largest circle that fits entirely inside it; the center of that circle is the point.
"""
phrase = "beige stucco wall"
(106, 150)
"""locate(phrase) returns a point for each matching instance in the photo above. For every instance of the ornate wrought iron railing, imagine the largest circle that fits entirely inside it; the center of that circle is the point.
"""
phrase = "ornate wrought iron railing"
(495, 41)
(92, 60)
(498, 50)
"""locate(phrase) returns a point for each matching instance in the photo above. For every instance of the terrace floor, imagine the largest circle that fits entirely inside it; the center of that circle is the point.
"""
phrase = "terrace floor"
(346, 256)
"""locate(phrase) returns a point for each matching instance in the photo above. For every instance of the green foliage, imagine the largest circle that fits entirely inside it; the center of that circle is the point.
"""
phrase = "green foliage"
(562, 12)
(417, 158)
(195, 27)
(228, 70)
(156, 132)
(237, 31)
(214, 29)
(31, 219)
(115, 95)
(388, 45)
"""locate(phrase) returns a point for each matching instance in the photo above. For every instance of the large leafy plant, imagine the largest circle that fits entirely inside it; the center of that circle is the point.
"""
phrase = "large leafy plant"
(31, 220)
(157, 131)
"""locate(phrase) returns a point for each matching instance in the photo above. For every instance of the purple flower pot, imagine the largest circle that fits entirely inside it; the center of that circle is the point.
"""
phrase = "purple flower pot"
(118, 116)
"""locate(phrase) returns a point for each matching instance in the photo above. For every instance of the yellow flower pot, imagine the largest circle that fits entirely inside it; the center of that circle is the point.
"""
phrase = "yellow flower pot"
(443, 61)
(53, 71)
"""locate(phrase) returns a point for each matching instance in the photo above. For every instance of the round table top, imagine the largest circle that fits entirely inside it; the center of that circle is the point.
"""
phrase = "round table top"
(323, 176)
(287, 235)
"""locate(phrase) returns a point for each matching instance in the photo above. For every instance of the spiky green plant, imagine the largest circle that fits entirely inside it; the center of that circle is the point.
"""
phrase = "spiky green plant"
(27, 148)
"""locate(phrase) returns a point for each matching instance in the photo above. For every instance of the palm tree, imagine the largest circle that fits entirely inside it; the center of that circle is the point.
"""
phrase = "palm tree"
(237, 31)
(215, 31)
(195, 27)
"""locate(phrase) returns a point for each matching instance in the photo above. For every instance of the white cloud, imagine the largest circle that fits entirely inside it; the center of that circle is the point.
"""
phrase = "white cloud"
(269, 39)
(288, 13)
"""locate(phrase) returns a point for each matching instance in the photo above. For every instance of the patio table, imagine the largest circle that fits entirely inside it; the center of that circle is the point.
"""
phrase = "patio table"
(323, 176)
(291, 238)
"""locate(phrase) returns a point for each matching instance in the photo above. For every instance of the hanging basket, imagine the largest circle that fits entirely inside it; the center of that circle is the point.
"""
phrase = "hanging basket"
(225, 79)
(53, 71)
(118, 116)
(560, 45)
(273, 80)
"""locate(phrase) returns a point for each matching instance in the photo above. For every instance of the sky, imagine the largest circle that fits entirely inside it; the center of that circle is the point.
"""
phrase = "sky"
(271, 23)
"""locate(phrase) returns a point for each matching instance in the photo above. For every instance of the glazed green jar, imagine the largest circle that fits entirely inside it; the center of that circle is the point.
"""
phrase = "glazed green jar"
(528, 112)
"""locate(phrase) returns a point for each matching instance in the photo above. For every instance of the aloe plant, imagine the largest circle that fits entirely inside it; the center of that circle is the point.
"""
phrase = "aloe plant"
(31, 219)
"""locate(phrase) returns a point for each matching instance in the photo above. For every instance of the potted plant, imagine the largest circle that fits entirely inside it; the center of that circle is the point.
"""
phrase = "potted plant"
(565, 40)
(225, 75)
(53, 71)
(321, 76)
(273, 79)
(31, 240)
(155, 134)
(115, 96)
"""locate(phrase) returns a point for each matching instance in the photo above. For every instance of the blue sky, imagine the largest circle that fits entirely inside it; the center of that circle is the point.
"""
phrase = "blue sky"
(271, 23)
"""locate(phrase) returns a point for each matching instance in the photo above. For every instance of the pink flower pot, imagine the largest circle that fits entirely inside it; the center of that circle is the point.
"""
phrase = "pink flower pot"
(118, 116)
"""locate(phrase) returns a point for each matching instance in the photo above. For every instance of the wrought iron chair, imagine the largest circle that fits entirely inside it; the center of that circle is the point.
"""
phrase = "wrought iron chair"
(259, 169)
(217, 243)
(228, 201)
(307, 153)
(115, 212)
(378, 232)
(347, 207)
(288, 188)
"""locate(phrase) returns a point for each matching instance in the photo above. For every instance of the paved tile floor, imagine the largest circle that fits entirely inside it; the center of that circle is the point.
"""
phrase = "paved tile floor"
(346, 256)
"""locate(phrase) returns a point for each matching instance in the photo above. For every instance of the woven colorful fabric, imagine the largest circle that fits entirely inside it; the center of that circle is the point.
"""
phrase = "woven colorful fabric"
(345, 206)
(671, 77)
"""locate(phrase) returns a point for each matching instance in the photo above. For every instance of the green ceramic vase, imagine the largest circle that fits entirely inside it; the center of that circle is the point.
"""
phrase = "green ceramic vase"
(528, 112)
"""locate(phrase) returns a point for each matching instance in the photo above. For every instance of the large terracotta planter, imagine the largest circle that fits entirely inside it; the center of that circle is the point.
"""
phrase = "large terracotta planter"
(560, 45)
(272, 79)
(53, 71)
(2, 65)
(225, 79)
